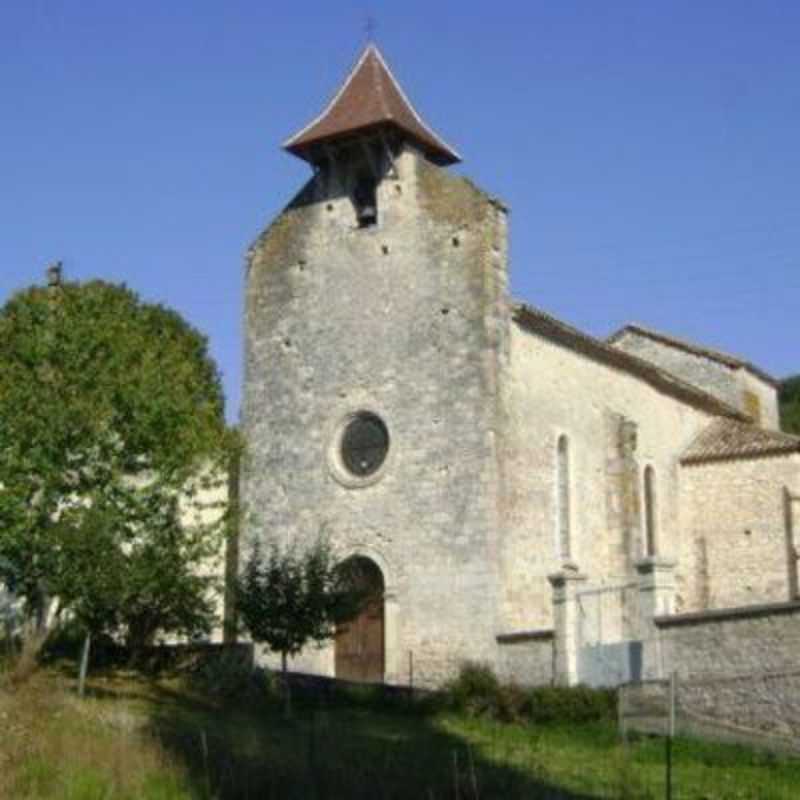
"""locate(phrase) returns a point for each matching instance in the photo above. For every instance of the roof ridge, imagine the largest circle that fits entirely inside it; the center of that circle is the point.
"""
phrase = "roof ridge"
(649, 330)
(332, 102)
(728, 359)
(376, 76)
(639, 367)
(410, 105)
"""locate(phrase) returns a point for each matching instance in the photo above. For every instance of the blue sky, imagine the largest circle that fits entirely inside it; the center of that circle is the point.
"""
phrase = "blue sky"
(650, 152)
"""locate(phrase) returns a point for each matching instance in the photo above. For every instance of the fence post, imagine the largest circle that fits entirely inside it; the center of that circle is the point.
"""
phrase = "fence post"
(673, 679)
(673, 700)
(656, 597)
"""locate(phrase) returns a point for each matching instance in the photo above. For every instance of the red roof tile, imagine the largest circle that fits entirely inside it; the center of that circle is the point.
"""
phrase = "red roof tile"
(727, 439)
(370, 96)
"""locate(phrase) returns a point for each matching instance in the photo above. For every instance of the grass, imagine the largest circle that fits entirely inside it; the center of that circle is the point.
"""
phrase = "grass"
(161, 741)
(52, 746)
(589, 760)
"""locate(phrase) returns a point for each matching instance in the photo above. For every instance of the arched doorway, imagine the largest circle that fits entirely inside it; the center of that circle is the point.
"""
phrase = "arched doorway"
(359, 645)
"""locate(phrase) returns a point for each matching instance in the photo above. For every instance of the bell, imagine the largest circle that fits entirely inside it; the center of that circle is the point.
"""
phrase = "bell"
(367, 215)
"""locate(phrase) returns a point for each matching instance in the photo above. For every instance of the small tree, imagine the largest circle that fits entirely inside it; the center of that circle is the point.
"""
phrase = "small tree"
(293, 598)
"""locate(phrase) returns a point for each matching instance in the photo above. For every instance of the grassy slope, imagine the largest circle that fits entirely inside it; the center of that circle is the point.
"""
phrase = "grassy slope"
(157, 742)
(52, 746)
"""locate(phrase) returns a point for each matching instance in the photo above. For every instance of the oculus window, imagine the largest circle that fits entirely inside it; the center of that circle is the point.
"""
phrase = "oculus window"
(364, 444)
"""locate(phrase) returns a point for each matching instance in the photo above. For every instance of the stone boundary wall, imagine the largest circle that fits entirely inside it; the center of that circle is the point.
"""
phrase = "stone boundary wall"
(742, 640)
(194, 656)
(738, 670)
(720, 709)
(767, 704)
(526, 657)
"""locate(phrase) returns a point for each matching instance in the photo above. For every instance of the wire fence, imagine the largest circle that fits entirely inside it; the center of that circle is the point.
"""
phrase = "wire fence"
(724, 724)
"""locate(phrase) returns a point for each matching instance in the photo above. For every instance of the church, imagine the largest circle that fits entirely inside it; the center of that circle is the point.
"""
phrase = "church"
(518, 492)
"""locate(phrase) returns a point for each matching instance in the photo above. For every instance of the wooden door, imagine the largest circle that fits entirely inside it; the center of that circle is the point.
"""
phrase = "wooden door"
(359, 644)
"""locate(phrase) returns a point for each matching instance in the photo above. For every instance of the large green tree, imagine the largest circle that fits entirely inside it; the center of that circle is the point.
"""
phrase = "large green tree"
(790, 404)
(111, 428)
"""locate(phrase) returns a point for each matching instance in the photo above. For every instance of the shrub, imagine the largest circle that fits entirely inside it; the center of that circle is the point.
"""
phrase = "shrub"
(477, 692)
(225, 673)
(511, 703)
(548, 704)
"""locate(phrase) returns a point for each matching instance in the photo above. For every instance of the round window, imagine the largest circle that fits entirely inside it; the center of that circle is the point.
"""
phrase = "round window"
(365, 443)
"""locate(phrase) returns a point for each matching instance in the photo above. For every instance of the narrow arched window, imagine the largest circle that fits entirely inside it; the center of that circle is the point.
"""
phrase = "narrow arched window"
(650, 512)
(564, 528)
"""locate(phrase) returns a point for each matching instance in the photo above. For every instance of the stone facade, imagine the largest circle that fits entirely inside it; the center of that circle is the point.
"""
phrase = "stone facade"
(535, 477)
(528, 655)
(742, 547)
(616, 425)
(405, 320)
(728, 378)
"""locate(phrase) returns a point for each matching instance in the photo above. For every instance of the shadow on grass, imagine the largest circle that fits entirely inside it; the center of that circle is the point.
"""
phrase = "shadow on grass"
(332, 750)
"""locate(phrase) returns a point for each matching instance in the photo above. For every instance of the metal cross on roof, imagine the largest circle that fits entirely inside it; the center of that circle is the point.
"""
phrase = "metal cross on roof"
(370, 26)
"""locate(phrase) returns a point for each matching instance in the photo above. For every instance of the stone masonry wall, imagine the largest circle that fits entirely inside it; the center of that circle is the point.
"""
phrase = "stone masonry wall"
(739, 667)
(744, 544)
(526, 660)
(727, 383)
(767, 399)
(403, 319)
(616, 425)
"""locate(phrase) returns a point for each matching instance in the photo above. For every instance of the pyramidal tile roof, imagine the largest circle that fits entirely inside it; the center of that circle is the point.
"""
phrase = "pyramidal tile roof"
(369, 97)
(728, 439)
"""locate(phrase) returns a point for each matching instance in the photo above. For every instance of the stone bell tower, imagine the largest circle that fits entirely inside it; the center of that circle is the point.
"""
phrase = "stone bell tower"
(375, 326)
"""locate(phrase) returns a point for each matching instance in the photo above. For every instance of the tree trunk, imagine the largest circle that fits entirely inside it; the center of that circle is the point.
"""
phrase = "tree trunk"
(33, 635)
(140, 639)
(287, 691)
(84, 668)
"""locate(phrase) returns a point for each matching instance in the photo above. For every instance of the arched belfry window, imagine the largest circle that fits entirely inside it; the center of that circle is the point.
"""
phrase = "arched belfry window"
(365, 200)
(650, 511)
(564, 510)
